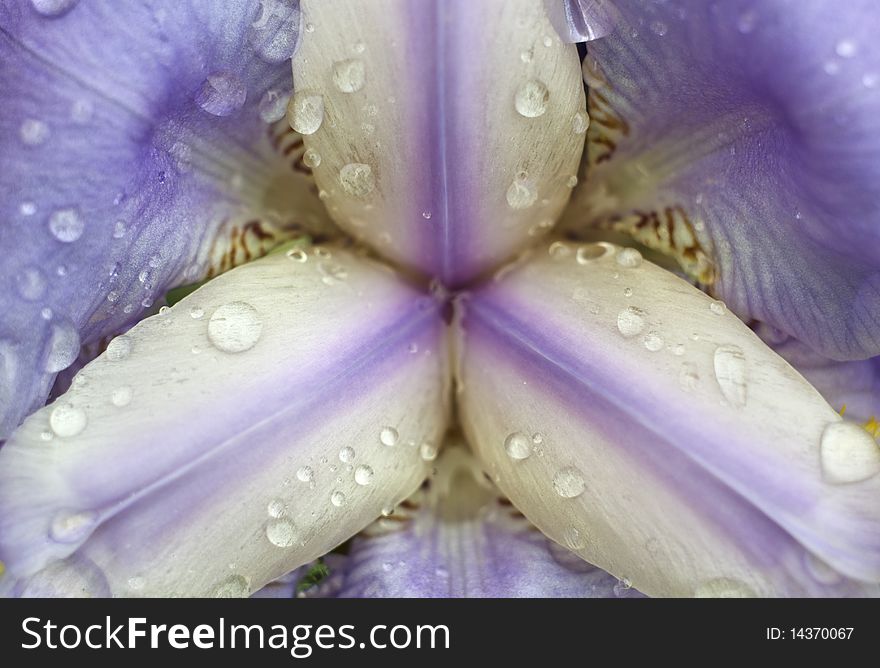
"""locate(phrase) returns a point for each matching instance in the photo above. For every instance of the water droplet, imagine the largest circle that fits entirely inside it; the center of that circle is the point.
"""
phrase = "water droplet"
(63, 347)
(310, 27)
(718, 308)
(346, 455)
(221, 94)
(870, 80)
(731, 374)
(388, 436)
(363, 475)
(196, 312)
(298, 255)
(580, 122)
(67, 420)
(629, 258)
(281, 532)
(591, 252)
(531, 99)
(659, 28)
(426, 215)
(275, 33)
(631, 321)
(547, 41)
(235, 586)
(311, 158)
(121, 396)
(27, 208)
(66, 225)
(332, 272)
(136, 583)
(569, 483)
(627, 292)
(349, 75)
(53, 8)
(273, 105)
(31, 283)
(33, 132)
(428, 452)
(574, 539)
(305, 113)
(305, 474)
(67, 527)
(357, 179)
(235, 327)
(517, 446)
(653, 341)
(724, 588)
(119, 348)
(337, 499)
(848, 453)
(521, 194)
(846, 48)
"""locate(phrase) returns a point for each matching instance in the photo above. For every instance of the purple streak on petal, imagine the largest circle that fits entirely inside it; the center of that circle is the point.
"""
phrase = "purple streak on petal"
(748, 130)
(582, 20)
(112, 180)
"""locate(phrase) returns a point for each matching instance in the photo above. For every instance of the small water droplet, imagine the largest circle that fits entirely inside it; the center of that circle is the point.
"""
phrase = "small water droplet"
(580, 122)
(121, 396)
(724, 588)
(357, 179)
(653, 341)
(718, 308)
(298, 255)
(305, 474)
(68, 527)
(276, 508)
(846, 48)
(67, 420)
(569, 483)
(305, 113)
(531, 99)
(53, 8)
(27, 208)
(119, 348)
(848, 453)
(591, 252)
(64, 345)
(337, 499)
(281, 532)
(346, 455)
(627, 292)
(659, 28)
(235, 327)
(631, 321)
(31, 283)
(574, 539)
(629, 258)
(521, 194)
(273, 105)
(33, 132)
(731, 374)
(517, 446)
(388, 436)
(349, 75)
(136, 583)
(363, 475)
(66, 225)
(235, 586)
(311, 158)
(221, 94)
(428, 452)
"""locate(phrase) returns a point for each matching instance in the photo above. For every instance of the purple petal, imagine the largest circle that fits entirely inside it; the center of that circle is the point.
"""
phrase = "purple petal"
(448, 131)
(743, 139)
(249, 429)
(118, 178)
(457, 537)
(610, 398)
(582, 20)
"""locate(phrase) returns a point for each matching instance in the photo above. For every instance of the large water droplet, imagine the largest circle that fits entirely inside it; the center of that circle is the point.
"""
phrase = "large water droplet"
(53, 8)
(311, 158)
(235, 327)
(67, 420)
(631, 321)
(337, 499)
(31, 283)
(69, 527)
(349, 75)
(591, 252)
(357, 179)
(517, 446)
(235, 586)
(363, 475)
(119, 348)
(388, 436)
(273, 105)
(732, 374)
(531, 99)
(848, 453)
(521, 194)
(281, 532)
(305, 474)
(346, 455)
(724, 588)
(569, 483)
(305, 113)
(221, 94)
(63, 347)
(66, 225)
(121, 396)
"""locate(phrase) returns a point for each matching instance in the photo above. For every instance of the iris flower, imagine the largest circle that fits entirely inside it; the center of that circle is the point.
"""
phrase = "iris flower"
(411, 221)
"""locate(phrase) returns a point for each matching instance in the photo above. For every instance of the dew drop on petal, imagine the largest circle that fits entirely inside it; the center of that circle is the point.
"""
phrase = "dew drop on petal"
(349, 75)
(521, 194)
(63, 349)
(531, 99)
(337, 499)
(517, 446)
(363, 475)
(569, 483)
(281, 532)
(121, 396)
(848, 453)
(631, 321)
(305, 112)
(428, 452)
(388, 436)
(196, 312)
(235, 327)
(67, 420)
(305, 474)
(235, 586)
(653, 341)
(66, 225)
(311, 158)
(731, 374)
(717, 307)
(357, 179)
(119, 348)
(67, 527)
(31, 283)
(273, 105)
(346, 455)
(298, 255)
(221, 94)
(591, 252)
(53, 8)
(580, 122)
(33, 132)
(629, 258)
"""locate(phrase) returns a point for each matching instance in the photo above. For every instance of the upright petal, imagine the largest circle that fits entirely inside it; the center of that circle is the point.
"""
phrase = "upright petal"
(136, 153)
(743, 138)
(216, 446)
(447, 131)
(457, 537)
(690, 457)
